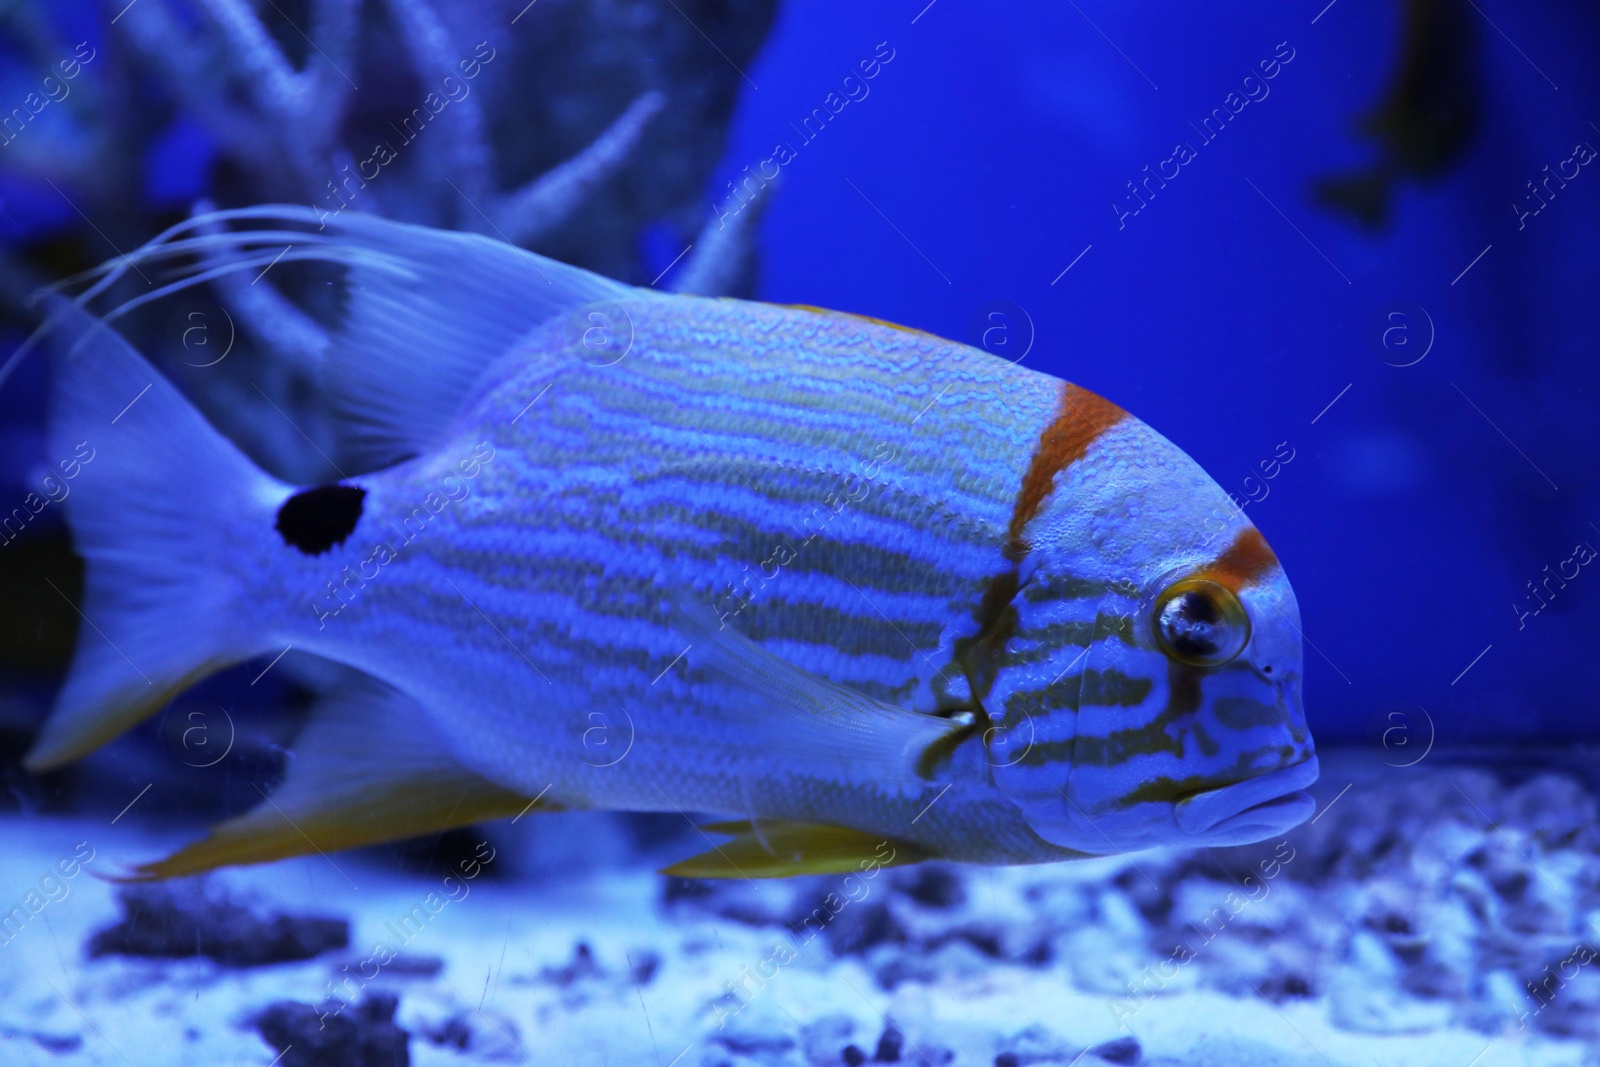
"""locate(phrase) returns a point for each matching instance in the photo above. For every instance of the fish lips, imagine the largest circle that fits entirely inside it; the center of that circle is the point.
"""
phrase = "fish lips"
(1253, 809)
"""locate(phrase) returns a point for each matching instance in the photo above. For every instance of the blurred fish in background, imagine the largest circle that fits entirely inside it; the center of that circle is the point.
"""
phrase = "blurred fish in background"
(1427, 117)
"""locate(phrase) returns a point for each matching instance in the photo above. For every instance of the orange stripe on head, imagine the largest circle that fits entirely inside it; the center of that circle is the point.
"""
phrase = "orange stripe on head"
(1245, 561)
(1083, 418)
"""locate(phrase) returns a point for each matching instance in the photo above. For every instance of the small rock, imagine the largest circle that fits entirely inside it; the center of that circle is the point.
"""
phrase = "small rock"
(178, 922)
(936, 887)
(889, 1046)
(852, 1056)
(1553, 806)
(1038, 954)
(57, 1043)
(1119, 916)
(1573, 1012)
(675, 890)
(1035, 1045)
(486, 1035)
(820, 1041)
(583, 965)
(751, 1042)
(364, 1037)
(1281, 987)
(861, 926)
(904, 967)
(1122, 1050)
(643, 966)
(1505, 1004)
(1101, 962)
(454, 1032)
(987, 938)
(413, 966)
(1153, 900)
(762, 904)
(1370, 1005)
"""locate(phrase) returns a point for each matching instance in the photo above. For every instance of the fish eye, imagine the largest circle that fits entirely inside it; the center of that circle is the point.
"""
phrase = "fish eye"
(1200, 623)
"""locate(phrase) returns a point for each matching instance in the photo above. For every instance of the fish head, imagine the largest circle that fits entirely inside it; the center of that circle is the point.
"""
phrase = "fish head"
(1146, 687)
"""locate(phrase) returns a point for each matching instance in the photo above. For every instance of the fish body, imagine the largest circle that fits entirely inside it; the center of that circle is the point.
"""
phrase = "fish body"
(797, 567)
(779, 487)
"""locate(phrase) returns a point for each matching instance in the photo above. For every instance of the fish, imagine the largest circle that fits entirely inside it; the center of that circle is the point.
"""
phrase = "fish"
(1427, 119)
(866, 595)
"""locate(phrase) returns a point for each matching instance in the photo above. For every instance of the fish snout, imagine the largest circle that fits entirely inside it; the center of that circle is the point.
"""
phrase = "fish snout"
(1250, 810)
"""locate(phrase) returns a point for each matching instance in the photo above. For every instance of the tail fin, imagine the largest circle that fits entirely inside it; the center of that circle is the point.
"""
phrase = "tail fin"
(156, 495)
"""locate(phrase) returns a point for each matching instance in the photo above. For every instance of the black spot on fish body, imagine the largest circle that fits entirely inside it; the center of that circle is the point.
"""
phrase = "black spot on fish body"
(314, 520)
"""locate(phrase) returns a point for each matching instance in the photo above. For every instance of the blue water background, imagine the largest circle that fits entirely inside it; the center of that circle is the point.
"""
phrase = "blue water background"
(1232, 310)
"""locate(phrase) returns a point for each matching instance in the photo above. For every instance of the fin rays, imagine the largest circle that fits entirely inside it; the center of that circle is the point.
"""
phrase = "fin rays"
(345, 791)
(782, 849)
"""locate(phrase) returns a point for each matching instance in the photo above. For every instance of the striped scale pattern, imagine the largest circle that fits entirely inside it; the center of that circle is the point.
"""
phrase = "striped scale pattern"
(909, 517)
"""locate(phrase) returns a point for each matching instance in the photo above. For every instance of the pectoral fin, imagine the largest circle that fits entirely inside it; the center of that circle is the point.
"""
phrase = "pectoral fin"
(369, 767)
(811, 720)
(784, 849)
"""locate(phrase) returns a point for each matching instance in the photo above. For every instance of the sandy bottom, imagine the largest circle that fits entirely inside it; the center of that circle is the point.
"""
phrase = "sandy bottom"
(1438, 914)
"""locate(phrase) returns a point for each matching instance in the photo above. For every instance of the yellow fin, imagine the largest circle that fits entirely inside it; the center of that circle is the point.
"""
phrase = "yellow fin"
(368, 768)
(782, 849)
(864, 318)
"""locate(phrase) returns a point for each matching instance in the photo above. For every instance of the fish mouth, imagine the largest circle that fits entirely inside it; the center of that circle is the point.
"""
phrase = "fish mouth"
(1253, 809)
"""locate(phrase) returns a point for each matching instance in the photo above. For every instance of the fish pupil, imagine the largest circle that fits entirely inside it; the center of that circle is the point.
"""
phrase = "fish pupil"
(1190, 622)
(317, 519)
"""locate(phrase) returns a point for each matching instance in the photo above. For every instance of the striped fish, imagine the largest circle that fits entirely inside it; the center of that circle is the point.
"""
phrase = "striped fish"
(871, 595)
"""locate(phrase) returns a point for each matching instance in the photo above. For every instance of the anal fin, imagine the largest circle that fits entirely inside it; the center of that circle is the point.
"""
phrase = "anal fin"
(368, 768)
(783, 849)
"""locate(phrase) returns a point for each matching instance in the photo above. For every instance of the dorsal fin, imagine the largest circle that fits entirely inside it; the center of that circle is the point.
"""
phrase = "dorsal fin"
(865, 318)
(409, 349)
(426, 310)
(369, 767)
